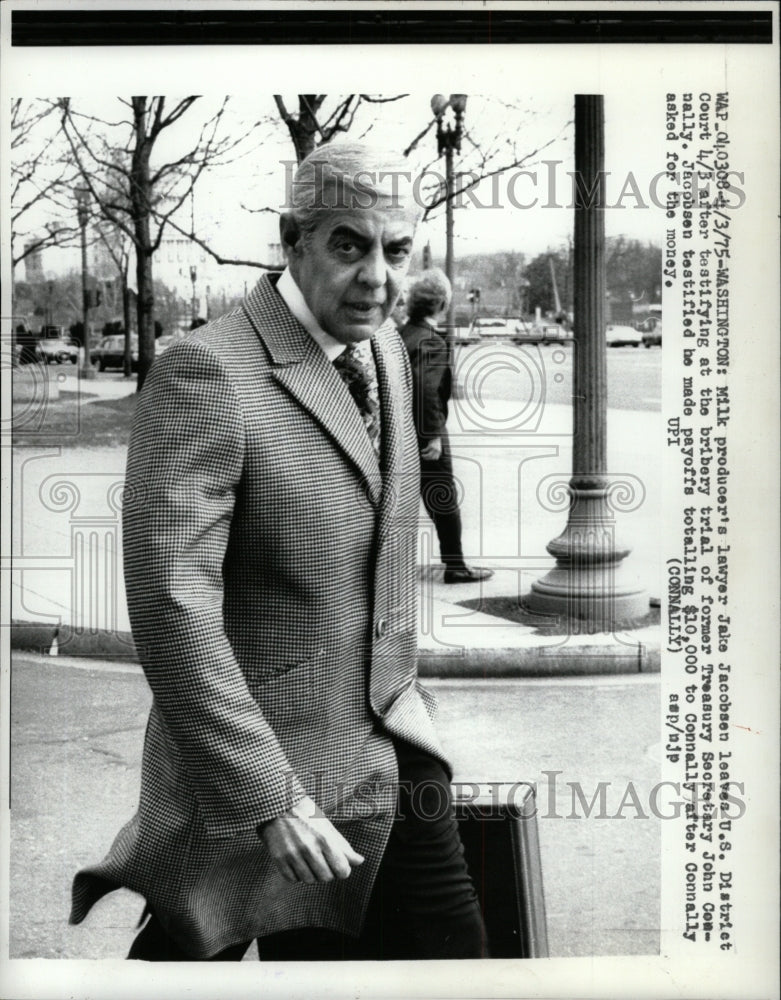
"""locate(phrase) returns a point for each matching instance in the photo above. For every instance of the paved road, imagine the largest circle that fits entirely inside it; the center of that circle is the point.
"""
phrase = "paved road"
(78, 726)
(77, 729)
(511, 435)
(633, 373)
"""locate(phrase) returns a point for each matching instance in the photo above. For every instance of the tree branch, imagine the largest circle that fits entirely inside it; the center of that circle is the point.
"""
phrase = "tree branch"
(418, 137)
(218, 257)
(382, 100)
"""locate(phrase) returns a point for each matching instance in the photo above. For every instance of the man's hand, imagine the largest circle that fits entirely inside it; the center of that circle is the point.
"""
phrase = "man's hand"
(432, 451)
(307, 847)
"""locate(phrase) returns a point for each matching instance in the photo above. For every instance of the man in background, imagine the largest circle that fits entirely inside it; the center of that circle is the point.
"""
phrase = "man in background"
(427, 299)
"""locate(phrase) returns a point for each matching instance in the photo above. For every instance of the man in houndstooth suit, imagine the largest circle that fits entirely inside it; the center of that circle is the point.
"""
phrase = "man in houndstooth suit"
(293, 787)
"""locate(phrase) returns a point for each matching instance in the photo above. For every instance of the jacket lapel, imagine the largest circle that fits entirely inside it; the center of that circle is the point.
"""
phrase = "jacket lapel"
(391, 409)
(306, 373)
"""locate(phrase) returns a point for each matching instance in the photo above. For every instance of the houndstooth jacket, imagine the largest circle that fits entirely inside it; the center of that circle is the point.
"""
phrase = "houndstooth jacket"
(270, 575)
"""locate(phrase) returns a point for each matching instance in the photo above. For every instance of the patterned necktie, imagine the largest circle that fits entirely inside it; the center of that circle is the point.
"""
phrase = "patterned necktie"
(356, 368)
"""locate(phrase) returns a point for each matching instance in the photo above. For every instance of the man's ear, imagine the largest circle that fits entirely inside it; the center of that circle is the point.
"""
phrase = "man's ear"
(289, 233)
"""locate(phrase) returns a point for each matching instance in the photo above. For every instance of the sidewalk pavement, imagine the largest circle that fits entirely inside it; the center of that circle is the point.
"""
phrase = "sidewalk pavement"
(76, 763)
(509, 458)
(76, 740)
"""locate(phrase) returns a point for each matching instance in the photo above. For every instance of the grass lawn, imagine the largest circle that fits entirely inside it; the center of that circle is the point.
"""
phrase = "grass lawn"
(75, 420)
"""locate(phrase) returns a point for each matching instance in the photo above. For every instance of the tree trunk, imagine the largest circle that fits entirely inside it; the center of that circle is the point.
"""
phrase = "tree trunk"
(304, 131)
(140, 196)
(145, 313)
(127, 362)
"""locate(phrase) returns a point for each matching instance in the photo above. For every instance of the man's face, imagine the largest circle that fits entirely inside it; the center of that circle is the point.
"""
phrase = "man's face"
(350, 270)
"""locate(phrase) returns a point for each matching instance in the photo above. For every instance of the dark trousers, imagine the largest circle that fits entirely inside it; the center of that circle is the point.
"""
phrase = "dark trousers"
(440, 498)
(423, 904)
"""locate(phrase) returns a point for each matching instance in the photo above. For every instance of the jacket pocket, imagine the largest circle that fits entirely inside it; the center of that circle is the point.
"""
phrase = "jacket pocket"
(294, 691)
(288, 667)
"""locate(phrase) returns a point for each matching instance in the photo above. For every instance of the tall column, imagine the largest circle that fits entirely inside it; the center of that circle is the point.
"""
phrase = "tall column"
(589, 459)
(587, 581)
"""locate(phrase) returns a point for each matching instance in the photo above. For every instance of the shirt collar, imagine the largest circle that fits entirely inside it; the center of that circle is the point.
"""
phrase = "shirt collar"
(296, 303)
(430, 321)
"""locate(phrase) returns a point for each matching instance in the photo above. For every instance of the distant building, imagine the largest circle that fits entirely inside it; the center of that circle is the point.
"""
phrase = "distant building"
(103, 266)
(33, 264)
(195, 278)
(187, 270)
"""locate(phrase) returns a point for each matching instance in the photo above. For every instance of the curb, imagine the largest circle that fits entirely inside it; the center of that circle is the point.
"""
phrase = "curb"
(70, 641)
(567, 659)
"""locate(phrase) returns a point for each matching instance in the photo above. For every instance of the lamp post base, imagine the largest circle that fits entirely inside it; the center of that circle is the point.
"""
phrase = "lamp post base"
(596, 599)
(589, 581)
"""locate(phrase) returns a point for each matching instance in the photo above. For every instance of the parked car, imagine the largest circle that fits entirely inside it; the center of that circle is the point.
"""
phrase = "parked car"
(489, 326)
(555, 332)
(653, 336)
(620, 336)
(537, 333)
(56, 347)
(110, 352)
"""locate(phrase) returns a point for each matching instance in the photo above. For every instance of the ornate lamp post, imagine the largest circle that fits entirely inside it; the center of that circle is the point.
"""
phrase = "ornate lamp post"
(589, 581)
(82, 209)
(449, 141)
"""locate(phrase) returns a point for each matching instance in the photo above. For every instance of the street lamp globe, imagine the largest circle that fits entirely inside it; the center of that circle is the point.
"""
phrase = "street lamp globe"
(438, 105)
(458, 103)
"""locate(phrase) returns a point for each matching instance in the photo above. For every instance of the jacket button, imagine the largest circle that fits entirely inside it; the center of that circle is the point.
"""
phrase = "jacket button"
(380, 628)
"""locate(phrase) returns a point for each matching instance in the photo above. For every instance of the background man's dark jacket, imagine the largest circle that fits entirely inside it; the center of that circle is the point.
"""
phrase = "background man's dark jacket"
(432, 379)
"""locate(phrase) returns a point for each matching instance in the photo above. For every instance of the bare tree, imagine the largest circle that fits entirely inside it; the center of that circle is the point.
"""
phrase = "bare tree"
(312, 127)
(319, 120)
(116, 162)
(483, 157)
(141, 199)
(42, 212)
(119, 247)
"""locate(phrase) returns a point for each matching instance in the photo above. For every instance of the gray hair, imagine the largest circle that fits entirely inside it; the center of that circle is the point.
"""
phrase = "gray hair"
(347, 175)
(426, 294)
